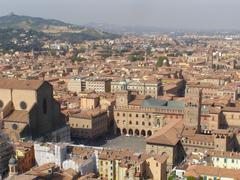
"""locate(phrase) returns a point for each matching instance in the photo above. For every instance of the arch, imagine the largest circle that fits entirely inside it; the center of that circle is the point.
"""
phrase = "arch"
(136, 132)
(118, 131)
(130, 132)
(149, 133)
(143, 133)
(164, 153)
(124, 131)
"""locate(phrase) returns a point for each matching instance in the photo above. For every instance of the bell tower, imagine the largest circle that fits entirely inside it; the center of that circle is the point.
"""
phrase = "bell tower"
(192, 109)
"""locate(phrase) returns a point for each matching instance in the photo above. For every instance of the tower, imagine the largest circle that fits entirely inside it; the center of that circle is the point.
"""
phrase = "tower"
(122, 98)
(13, 169)
(192, 109)
(210, 57)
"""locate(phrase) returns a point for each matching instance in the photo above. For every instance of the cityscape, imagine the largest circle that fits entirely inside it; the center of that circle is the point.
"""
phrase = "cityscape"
(118, 100)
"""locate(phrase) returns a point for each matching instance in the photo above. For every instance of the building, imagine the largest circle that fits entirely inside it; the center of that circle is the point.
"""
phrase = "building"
(118, 165)
(75, 85)
(90, 101)
(143, 116)
(28, 109)
(89, 123)
(81, 160)
(117, 86)
(209, 172)
(24, 153)
(167, 142)
(50, 153)
(192, 108)
(98, 84)
(223, 159)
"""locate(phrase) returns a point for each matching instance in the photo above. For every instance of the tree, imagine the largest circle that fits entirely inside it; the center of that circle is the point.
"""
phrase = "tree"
(160, 61)
(134, 58)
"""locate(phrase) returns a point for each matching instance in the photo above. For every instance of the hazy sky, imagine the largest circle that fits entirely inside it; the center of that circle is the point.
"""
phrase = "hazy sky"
(183, 14)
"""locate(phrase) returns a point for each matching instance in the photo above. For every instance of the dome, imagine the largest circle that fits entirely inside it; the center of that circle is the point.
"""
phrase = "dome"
(12, 161)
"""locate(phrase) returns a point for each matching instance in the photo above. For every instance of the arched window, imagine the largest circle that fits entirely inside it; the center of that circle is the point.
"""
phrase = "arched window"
(44, 106)
(143, 123)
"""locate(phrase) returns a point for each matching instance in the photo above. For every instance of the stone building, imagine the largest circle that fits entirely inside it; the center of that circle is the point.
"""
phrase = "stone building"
(143, 116)
(89, 123)
(29, 111)
(148, 88)
(118, 165)
(98, 84)
(192, 108)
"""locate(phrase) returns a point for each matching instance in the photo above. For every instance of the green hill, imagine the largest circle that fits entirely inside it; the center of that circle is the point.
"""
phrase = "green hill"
(52, 27)
(35, 23)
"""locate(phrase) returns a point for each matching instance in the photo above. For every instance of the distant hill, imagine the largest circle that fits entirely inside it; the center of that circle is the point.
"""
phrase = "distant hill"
(53, 27)
(34, 23)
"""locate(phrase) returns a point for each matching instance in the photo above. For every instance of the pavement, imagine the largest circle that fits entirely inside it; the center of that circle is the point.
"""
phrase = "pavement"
(137, 144)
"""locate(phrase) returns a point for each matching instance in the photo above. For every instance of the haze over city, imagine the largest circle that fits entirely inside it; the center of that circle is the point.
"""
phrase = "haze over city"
(175, 14)
(119, 89)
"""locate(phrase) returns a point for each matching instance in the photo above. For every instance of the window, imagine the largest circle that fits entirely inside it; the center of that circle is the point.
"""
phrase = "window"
(143, 116)
(44, 106)
(225, 160)
(123, 114)
(117, 114)
(136, 115)
(149, 123)
(130, 115)
(14, 126)
(136, 122)
(232, 160)
(130, 122)
(156, 164)
(1, 104)
(23, 105)
(143, 123)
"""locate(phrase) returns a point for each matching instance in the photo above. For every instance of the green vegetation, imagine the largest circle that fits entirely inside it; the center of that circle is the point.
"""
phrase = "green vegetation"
(172, 177)
(27, 22)
(12, 40)
(193, 178)
(24, 33)
(134, 58)
(77, 59)
(160, 61)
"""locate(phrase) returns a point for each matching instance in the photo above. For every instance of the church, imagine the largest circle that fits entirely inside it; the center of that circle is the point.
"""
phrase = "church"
(28, 111)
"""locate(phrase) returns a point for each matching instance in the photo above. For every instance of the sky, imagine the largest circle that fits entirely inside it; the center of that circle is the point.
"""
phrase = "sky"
(177, 14)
